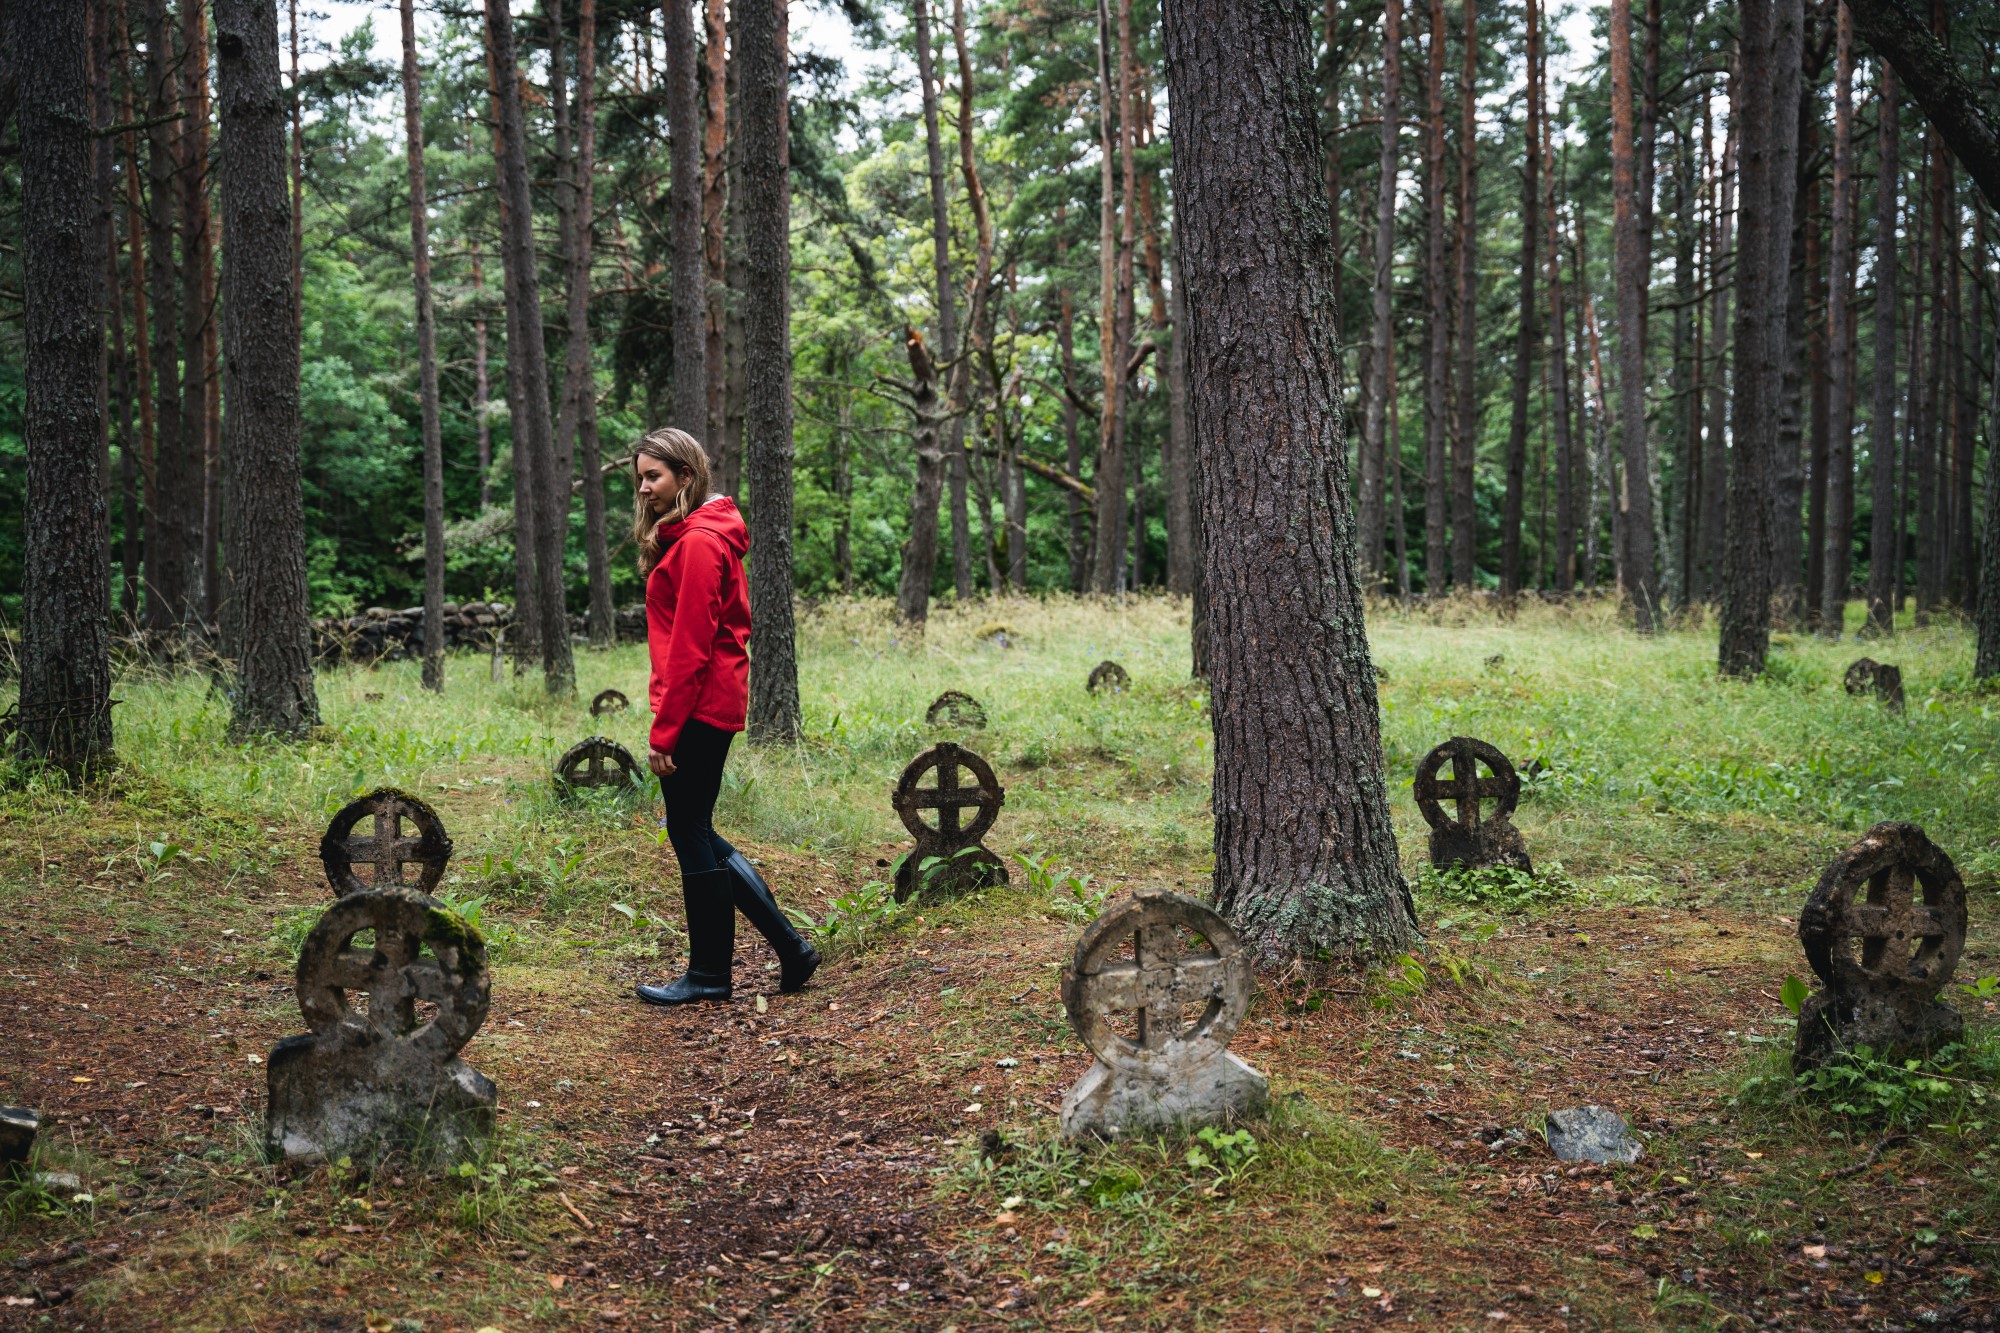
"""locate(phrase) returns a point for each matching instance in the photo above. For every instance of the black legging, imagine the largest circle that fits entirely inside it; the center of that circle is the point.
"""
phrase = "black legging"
(690, 792)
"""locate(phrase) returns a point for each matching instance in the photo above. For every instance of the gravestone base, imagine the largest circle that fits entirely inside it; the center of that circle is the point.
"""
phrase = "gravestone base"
(1107, 1102)
(1496, 842)
(1893, 1028)
(966, 872)
(366, 1098)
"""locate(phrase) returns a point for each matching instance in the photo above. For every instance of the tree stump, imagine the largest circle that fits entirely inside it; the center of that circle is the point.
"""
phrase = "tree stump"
(948, 857)
(1474, 839)
(1883, 930)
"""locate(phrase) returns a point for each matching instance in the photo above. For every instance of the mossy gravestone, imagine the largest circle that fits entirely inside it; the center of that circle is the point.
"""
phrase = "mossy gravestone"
(948, 858)
(1476, 838)
(392, 984)
(1883, 930)
(1157, 987)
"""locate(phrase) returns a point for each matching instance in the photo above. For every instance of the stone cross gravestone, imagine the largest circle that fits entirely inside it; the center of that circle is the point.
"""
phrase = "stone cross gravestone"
(1883, 930)
(957, 709)
(1108, 676)
(962, 862)
(1867, 675)
(384, 1074)
(1475, 838)
(596, 762)
(386, 849)
(609, 701)
(1158, 985)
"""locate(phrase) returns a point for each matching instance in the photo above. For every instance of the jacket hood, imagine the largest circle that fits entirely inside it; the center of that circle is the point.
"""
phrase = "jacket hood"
(718, 515)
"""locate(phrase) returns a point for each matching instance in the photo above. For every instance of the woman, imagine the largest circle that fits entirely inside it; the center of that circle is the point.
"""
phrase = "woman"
(691, 548)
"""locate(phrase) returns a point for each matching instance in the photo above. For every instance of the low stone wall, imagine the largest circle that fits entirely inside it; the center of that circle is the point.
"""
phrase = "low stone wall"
(381, 635)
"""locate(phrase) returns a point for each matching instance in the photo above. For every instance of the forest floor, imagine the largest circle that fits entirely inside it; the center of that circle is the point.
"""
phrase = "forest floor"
(880, 1151)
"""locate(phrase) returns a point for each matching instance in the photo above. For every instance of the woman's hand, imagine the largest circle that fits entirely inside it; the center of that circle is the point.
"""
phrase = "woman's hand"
(660, 762)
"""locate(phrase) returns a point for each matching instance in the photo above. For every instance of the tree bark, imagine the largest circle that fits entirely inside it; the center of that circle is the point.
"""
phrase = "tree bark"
(1305, 854)
(763, 83)
(1819, 392)
(427, 379)
(527, 364)
(1182, 570)
(979, 309)
(1986, 659)
(1559, 407)
(1715, 466)
(190, 515)
(1528, 337)
(1963, 575)
(714, 196)
(1635, 499)
(689, 280)
(482, 388)
(1464, 525)
(139, 516)
(913, 592)
(64, 711)
(1922, 60)
(265, 599)
(298, 165)
(166, 582)
(1767, 78)
(1835, 564)
(1929, 386)
(1382, 330)
(1115, 321)
(1436, 520)
(913, 595)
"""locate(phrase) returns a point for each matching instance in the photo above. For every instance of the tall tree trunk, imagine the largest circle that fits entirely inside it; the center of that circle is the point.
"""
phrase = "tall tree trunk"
(979, 309)
(1930, 431)
(689, 281)
(913, 597)
(1986, 661)
(1767, 77)
(1382, 330)
(482, 388)
(727, 451)
(1079, 512)
(1464, 535)
(576, 431)
(139, 517)
(298, 168)
(1788, 494)
(1964, 573)
(1179, 463)
(714, 196)
(1305, 854)
(524, 636)
(1819, 391)
(1559, 407)
(166, 580)
(65, 706)
(1528, 338)
(427, 376)
(109, 46)
(1635, 499)
(763, 83)
(1923, 60)
(1835, 563)
(190, 514)
(1715, 466)
(913, 592)
(528, 368)
(1436, 532)
(1115, 326)
(1677, 554)
(265, 598)
(195, 68)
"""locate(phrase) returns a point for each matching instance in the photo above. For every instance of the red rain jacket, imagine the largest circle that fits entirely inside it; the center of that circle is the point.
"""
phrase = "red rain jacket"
(698, 623)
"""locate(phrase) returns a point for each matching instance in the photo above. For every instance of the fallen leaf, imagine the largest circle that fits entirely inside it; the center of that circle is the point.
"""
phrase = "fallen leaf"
(1814, 1251)
(1872, 1275)
(381, 1323)
(974, 1107)
(1004, 1219)
(1753, 1156)
(762, 1004)
(82, 1079)
(556, 1281)
(1371, 1292)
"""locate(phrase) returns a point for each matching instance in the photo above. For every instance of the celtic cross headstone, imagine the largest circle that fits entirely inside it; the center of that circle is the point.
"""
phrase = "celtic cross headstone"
(392, 984)
(949, 857)
(1475, 836)
(609, 701)
(955, 708)
(1157, 986)
(1884, 681)
(386, 849)
(596, 762)
(1108, 676)
(1883, 930)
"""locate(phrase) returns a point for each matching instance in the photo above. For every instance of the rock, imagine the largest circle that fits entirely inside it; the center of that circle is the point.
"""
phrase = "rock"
(59, 1182)
(1107, 1102)
(18, 1126)
(1591, 1134)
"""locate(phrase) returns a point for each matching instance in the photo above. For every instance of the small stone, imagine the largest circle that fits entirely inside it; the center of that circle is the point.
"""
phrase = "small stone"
(1591, 1134)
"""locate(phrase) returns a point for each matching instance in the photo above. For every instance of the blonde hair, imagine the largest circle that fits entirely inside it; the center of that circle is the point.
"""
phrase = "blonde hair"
(683, 453)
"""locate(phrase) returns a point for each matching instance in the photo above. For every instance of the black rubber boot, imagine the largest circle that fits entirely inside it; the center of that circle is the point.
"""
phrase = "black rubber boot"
(711, 918)
(797, 959)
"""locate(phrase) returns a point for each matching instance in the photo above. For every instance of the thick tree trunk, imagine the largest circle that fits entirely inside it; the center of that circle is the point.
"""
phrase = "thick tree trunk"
(1464, 519)
(1635, 499)
(763, 84)
(166, 582)
(1382, 329)
(685, 183)
(920, 549)
(190, 515)
(576, 432)
(1788, 473)
(1306, 862)
(714, 195)
(1528, 337)
(1836, 560)
(298, 169)
(524, 636)
(265, 598)
(64, 711)
(1768, 77)
(528, 368)
(427, 377)
(1438, 343)
(1182, 570)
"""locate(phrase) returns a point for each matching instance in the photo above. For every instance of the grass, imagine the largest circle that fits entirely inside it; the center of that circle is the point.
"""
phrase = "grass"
(1676, 821)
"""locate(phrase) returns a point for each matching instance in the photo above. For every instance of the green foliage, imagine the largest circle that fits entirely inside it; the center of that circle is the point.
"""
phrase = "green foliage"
(1408, 978)
(1226, 1153)
(853, 920)
(1957, 1085)
(1069, 894)
(501, 938)
(1793, 994)
(1503, 889)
